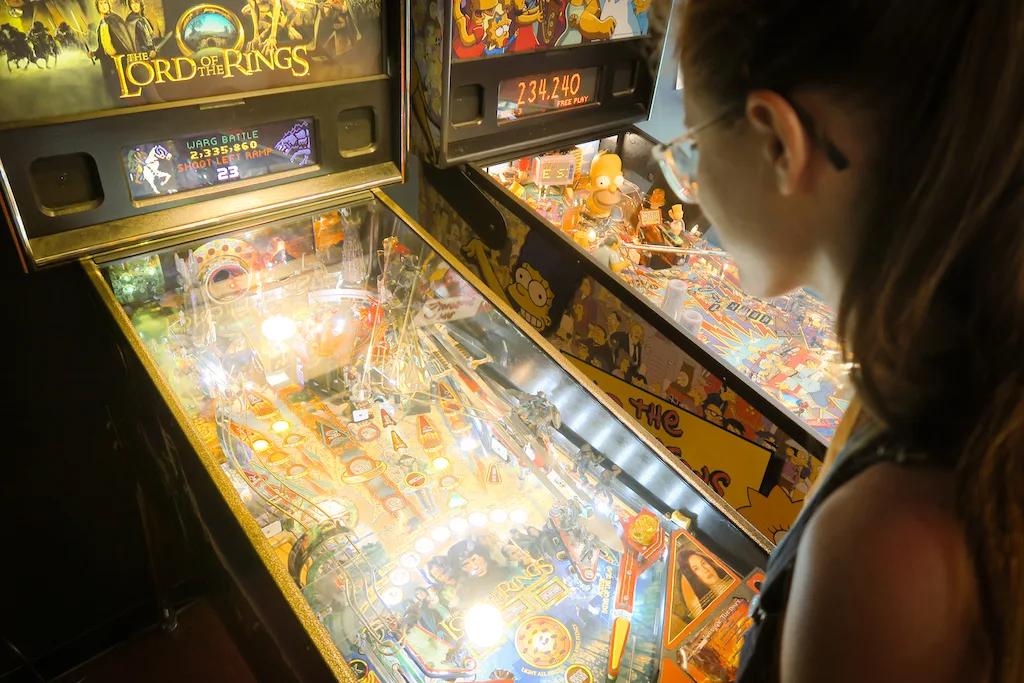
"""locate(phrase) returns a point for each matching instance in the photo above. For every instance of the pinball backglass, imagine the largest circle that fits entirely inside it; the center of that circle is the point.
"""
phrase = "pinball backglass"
(66, 58)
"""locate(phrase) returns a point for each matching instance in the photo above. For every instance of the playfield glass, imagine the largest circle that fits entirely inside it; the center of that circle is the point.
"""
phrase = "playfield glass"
(784, 346)
(417, 463)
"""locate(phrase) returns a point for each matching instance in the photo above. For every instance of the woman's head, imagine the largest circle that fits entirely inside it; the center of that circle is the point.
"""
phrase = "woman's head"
(799, 106)
(700, 567)
(917, 239)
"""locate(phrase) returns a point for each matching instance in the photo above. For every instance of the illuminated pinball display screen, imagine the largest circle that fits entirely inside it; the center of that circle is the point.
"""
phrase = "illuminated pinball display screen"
(520, 98)
(197, 161)
(366, 403)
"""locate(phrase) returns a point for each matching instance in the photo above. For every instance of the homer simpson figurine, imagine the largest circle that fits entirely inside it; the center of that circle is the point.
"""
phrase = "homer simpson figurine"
(676, 214)
(604, 184)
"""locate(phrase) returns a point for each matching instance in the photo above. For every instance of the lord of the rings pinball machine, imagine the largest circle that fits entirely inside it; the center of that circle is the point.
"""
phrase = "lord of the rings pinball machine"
(401, 481)
(534, 176)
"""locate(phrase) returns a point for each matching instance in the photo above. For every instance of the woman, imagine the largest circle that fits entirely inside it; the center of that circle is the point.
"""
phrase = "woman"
(872, 151)
(701, 582)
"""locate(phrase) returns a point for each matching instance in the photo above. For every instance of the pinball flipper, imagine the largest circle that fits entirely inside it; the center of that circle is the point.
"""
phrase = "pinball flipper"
(617, 646)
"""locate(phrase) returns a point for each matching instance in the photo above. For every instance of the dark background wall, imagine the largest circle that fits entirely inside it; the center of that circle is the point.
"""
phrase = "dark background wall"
(76, 576)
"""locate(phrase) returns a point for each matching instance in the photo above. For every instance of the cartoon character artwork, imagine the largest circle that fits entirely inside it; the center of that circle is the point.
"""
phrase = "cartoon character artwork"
(605, 183)
(497, 31)
(773, 515)
(296, 144)
(471, 17)
(627, 23)
(532, 294)
(584, 22)
(426, 54)
(494, 27)
(528, 16)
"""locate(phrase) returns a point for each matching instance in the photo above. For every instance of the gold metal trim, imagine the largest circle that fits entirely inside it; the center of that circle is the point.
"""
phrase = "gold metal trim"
(14, 218)
(253, 205)
(640, 432)
(229, 225)
(202, 102)
(271, 560)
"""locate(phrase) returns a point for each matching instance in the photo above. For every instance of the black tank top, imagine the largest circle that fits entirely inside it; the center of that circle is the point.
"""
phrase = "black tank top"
(759, 661)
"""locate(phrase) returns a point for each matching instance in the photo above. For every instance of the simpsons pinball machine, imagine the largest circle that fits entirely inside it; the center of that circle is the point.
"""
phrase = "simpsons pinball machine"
(536, 179)
(400, 481)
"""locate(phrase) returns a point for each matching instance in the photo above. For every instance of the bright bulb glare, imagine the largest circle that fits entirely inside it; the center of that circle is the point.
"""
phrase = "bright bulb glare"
(260, 445)
(458, 525)
(441, 534)
(519, 516)
(484, 625)
(278, 328)
(468, 443)
(478, 519)
(441, 463)
(280, 426)
(499, 516)
(392, 596)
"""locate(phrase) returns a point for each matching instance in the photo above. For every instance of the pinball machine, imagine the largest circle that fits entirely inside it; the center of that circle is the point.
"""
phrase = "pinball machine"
(398, 479)
(535, 177)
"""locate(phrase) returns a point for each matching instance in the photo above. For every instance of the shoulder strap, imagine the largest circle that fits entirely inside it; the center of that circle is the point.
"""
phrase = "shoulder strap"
(865, 449)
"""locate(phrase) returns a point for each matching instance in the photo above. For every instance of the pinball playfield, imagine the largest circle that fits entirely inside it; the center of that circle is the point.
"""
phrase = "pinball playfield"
(785, 346)
(441, 522)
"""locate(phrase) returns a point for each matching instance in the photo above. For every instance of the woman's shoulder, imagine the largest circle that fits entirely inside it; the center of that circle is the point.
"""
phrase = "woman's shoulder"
(884, 568)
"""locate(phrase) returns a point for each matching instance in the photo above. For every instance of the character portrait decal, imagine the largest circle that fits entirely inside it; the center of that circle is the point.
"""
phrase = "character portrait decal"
(698, 582)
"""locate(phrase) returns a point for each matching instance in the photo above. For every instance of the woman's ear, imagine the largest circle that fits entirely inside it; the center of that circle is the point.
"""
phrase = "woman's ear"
(782, 138)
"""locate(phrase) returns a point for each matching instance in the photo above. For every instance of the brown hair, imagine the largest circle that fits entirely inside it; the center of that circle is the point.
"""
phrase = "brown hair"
(933, 309)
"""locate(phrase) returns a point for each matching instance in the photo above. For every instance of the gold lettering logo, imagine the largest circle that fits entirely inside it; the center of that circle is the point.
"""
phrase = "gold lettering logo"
(135, 73)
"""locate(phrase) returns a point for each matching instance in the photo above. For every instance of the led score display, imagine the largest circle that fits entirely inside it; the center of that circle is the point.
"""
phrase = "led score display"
(198, 161)
(520, 98)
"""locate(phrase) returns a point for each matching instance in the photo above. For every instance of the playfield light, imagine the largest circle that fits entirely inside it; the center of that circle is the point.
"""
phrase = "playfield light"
(278, 328)
(484, 625)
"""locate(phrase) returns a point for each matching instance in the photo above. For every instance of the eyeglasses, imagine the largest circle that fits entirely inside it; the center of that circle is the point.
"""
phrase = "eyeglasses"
(678, 159)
